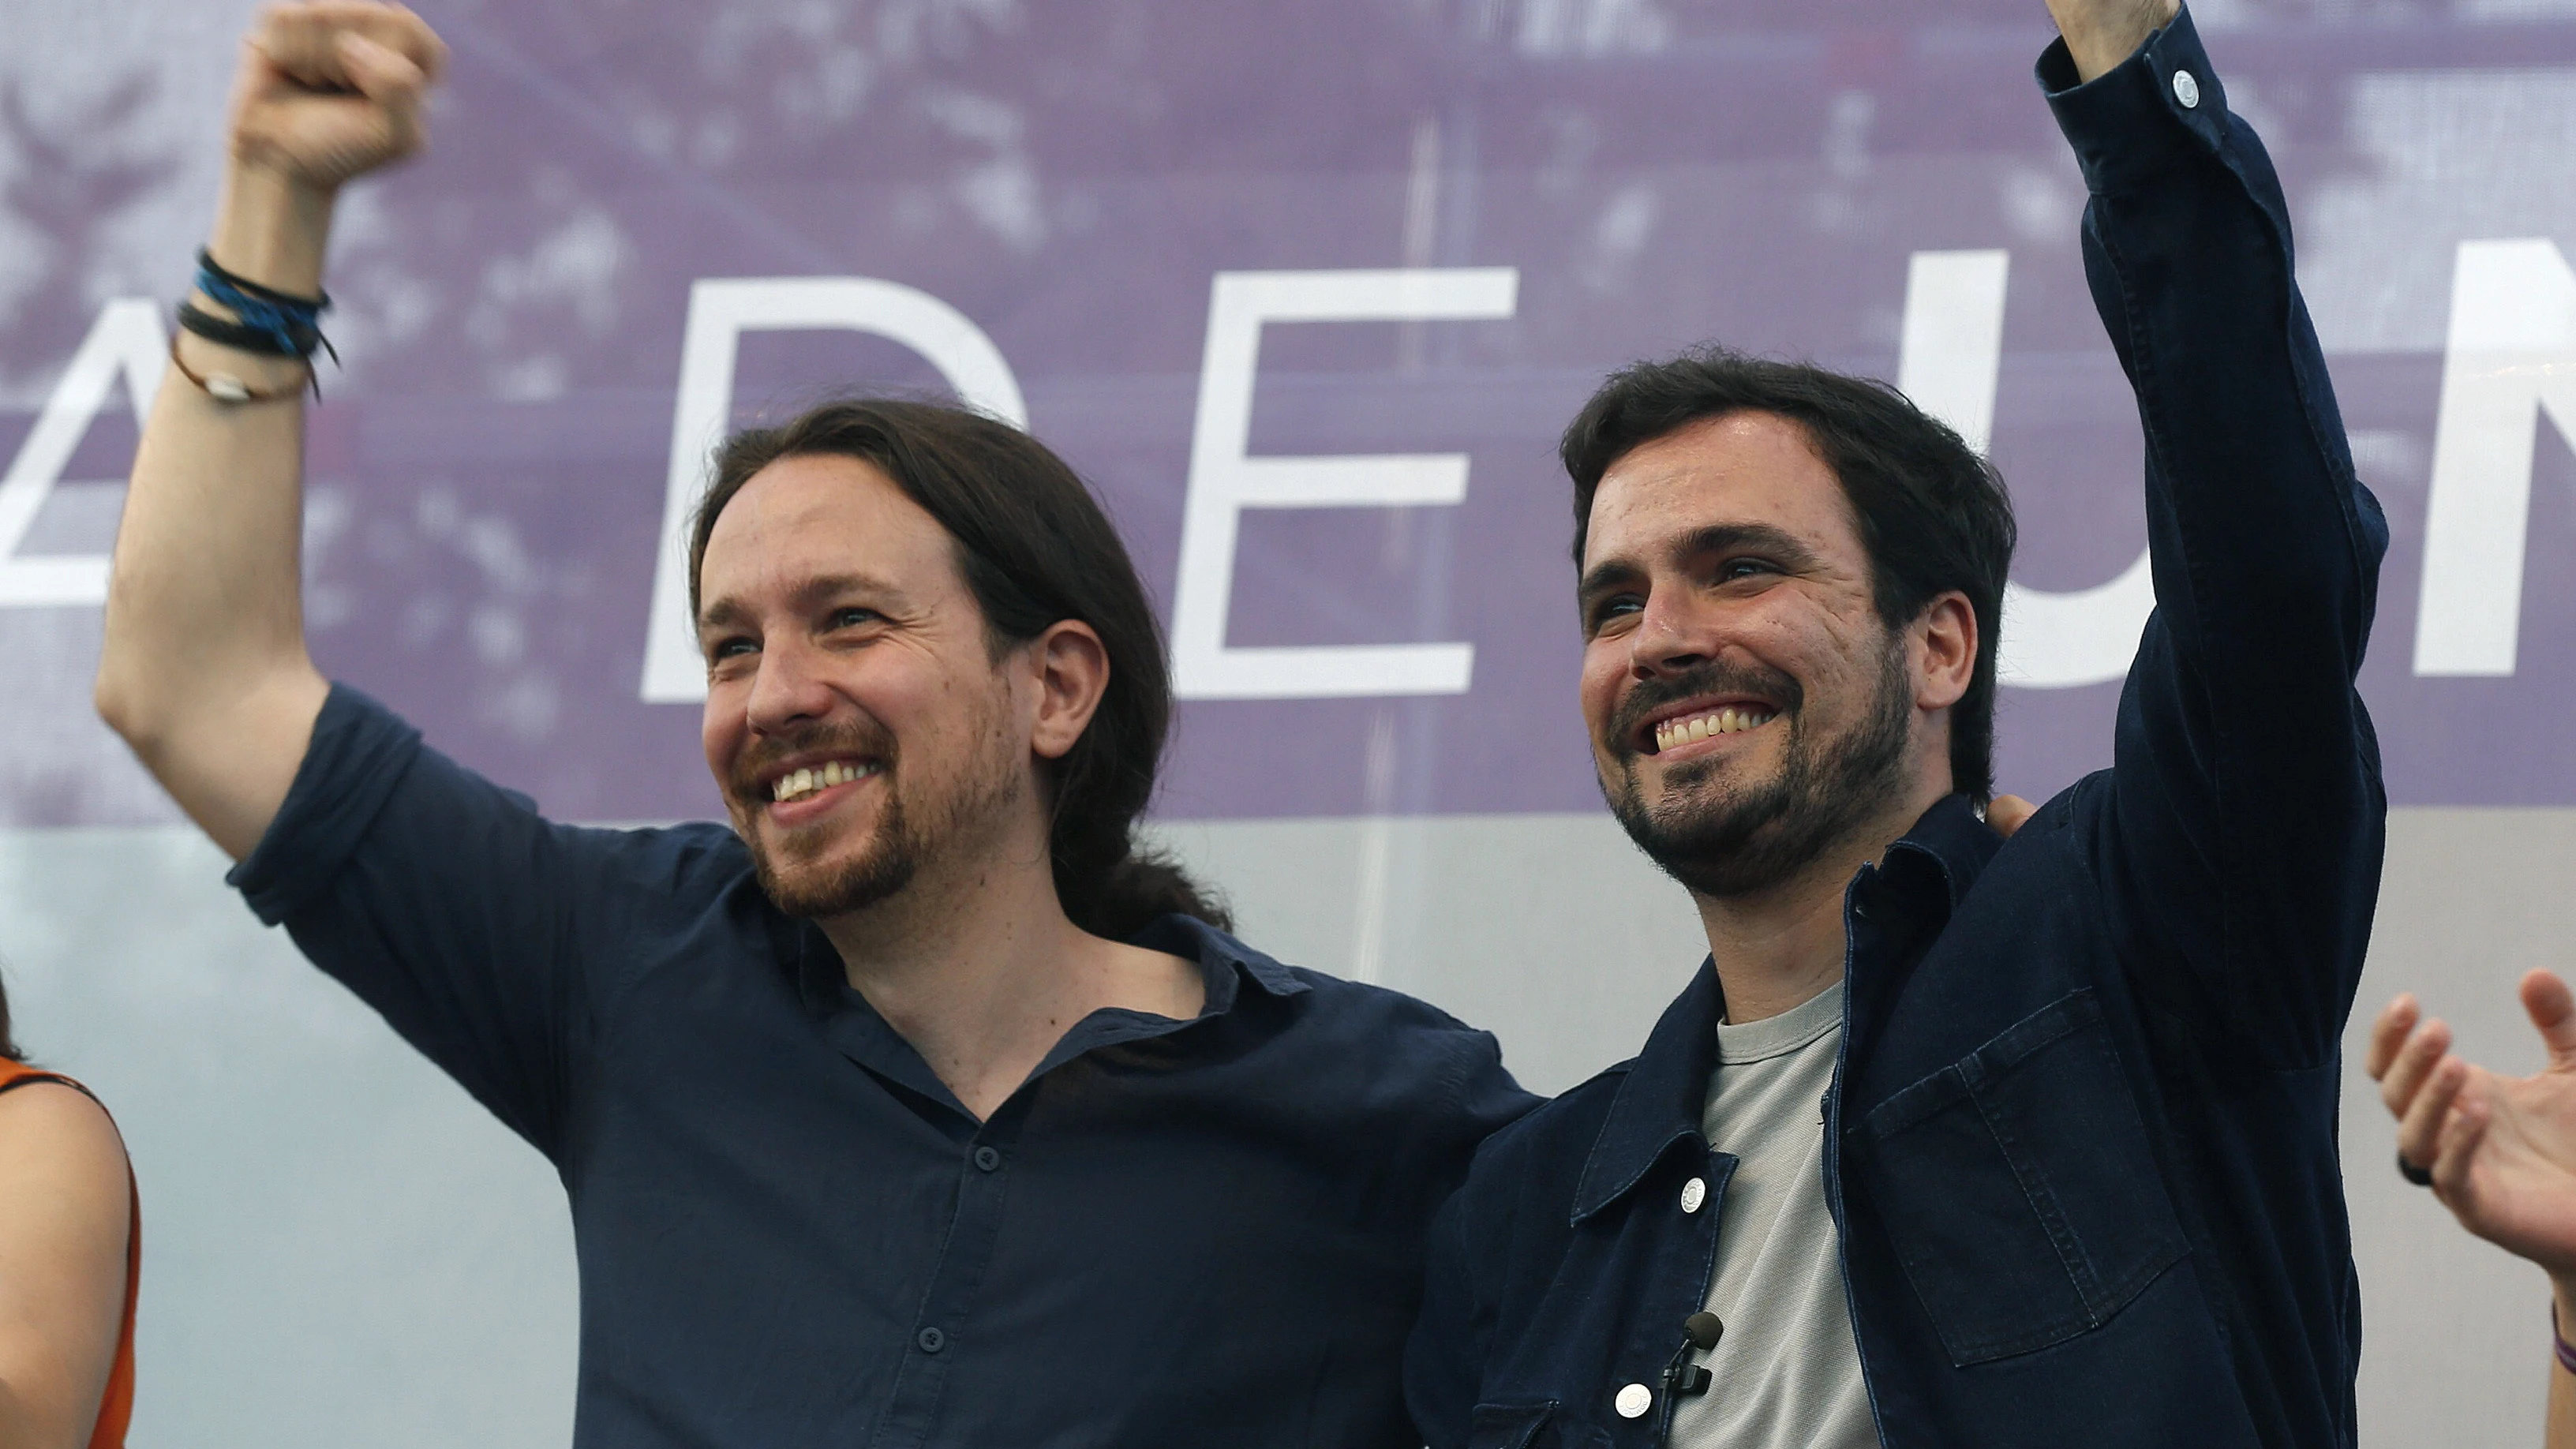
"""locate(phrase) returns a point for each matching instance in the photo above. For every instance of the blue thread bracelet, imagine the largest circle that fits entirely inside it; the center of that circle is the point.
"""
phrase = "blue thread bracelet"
(281, 322)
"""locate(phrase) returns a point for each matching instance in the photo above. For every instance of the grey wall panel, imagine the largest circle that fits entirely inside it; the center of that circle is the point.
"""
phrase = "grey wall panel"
(341, 1247)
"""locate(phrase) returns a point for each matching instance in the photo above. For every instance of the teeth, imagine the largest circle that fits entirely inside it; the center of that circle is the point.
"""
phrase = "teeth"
(797, 784)
(1727, 720)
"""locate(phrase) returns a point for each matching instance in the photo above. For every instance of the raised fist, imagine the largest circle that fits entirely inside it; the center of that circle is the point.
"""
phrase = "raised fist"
(332, 90)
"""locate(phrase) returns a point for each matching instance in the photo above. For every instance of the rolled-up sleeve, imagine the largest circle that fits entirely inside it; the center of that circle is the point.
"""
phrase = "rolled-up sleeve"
(441, 899)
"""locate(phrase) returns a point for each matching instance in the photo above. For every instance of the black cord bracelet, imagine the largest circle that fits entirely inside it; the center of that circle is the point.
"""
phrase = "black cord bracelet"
(206, 262)
(241, 337)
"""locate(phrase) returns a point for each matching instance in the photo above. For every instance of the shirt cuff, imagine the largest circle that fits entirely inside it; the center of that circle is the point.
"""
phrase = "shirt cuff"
(2161, 108)
(359, 753)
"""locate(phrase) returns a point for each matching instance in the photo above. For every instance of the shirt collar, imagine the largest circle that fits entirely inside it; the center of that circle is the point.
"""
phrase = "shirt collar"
(822, 983)
(1662, 1098)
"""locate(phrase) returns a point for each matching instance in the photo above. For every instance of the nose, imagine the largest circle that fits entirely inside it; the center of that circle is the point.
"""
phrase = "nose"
(1668, 638)
(786, 691)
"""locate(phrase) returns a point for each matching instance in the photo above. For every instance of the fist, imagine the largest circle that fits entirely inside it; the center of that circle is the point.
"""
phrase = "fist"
(332, 90)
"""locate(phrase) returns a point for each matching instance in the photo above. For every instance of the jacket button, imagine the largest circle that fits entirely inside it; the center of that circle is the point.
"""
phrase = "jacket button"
(1634, 1401)
(1694, 1192)
(987, 1159)
(2186, 90)
(931, 1340)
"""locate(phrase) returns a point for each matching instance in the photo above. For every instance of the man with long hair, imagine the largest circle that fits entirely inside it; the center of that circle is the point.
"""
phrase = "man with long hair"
(1954, 1141)
(918, 1106)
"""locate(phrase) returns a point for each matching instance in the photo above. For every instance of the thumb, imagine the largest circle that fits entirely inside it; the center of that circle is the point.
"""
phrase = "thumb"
(2553, 1010)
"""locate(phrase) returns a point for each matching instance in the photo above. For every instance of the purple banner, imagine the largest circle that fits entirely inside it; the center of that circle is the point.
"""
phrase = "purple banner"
(1195, 243)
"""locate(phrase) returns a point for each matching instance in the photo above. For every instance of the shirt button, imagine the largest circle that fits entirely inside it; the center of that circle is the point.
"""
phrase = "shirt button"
(931, 1340)
(2186, 89)
(1694, 1192)
(987, 1159)
(1634, 1401)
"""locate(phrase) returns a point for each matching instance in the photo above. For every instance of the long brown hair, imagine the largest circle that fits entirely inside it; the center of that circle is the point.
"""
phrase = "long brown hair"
(1035, 548)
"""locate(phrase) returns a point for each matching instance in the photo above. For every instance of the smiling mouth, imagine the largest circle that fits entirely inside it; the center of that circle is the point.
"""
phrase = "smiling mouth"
(797, 784)
(1725, 720)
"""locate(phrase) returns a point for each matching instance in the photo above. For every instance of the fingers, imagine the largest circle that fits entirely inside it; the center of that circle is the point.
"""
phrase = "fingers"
(2419, 1132)
(2008, 813)
(2457, 1146)
(392, 80)
(2552, 1009)
(2410, 1066)
(304, 42)
(2388, 1033)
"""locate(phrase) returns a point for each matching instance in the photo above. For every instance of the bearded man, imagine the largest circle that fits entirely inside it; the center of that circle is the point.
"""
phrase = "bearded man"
(919, 1106)
(1955, 1141)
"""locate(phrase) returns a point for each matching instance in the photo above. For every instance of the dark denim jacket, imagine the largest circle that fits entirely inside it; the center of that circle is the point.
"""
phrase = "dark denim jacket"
(2081, 1143)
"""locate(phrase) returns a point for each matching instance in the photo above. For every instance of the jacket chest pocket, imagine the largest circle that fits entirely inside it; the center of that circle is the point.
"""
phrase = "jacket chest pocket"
(2019, 1189)
(1528, 1426)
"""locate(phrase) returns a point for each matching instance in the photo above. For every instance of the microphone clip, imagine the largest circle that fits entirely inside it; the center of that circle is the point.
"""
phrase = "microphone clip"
(1681, 1376)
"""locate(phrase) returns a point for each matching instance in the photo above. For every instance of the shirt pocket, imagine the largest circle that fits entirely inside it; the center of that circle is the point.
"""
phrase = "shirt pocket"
(1526, 1426)
(2019, 1189)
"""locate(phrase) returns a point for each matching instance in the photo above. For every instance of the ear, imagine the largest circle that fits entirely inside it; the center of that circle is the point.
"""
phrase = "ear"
(1944, 648)
(1071, 667)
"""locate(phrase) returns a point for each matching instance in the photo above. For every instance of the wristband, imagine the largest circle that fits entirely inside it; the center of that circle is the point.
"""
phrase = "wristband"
(225, 388)
(2566, 1350)
(280, 324)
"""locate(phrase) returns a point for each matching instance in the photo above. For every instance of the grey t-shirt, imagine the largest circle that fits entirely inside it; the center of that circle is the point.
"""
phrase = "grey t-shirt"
(1786, 1372)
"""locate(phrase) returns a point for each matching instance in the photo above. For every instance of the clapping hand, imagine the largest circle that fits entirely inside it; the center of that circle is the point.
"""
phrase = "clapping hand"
(2501, 1150)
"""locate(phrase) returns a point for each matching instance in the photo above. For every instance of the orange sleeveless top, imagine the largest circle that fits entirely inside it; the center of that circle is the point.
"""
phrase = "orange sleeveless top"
(116, 1406)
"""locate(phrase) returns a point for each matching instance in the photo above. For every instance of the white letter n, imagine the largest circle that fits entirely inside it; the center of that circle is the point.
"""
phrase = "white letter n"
(2511, 356)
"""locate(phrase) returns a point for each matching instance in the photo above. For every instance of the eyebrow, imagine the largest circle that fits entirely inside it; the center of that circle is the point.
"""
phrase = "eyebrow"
(731, 613)
(1708, 539)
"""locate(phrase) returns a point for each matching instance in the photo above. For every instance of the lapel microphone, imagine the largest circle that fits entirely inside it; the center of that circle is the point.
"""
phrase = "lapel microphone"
(1699, 1331)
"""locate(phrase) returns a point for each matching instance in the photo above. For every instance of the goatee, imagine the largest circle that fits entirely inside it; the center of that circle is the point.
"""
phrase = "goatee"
(1743, 840)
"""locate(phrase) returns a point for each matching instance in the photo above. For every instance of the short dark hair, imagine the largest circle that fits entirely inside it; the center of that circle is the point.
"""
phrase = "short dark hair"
(1932, 514)
(1035, 548)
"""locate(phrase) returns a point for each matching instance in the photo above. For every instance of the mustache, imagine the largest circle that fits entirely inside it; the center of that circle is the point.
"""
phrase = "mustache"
(865, 739)
(1711, 678)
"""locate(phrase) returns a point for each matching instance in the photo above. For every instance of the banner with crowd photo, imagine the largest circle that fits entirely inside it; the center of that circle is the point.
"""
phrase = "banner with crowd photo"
(1307, 292)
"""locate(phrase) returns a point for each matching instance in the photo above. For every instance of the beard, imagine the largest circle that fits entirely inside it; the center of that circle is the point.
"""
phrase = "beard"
(1727, 841)
(918, 821)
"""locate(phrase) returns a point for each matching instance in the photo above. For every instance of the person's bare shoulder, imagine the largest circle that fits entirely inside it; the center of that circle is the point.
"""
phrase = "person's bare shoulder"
(61, 1157)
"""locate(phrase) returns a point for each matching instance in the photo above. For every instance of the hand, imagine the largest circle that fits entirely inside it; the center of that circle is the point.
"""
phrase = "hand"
(2008, 813)
(2102, 33)
(332, 90)
(2502, 1150)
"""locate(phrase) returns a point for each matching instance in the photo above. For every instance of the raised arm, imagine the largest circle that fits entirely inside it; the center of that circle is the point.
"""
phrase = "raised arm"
(2239, 844)
(204, 669)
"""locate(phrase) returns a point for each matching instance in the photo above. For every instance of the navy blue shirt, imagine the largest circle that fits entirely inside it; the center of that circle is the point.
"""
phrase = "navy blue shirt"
(790, 1232)
(2080, 1145)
